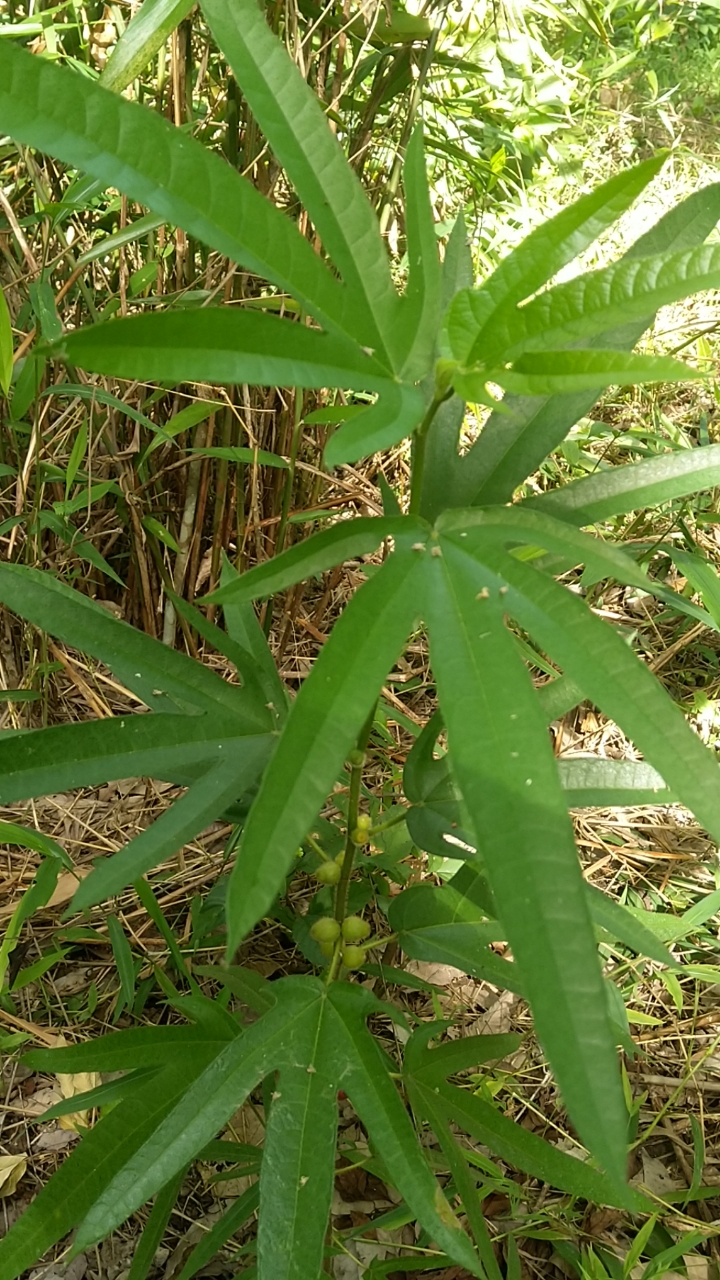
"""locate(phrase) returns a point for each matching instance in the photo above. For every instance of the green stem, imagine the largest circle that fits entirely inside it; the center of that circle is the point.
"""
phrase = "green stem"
(418, 458)
(357, 760)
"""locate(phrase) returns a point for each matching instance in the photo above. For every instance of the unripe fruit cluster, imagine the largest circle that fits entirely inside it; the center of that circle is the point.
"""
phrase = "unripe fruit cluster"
(353, 930)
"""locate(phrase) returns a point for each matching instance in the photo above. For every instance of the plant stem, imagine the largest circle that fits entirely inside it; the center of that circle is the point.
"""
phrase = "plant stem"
(357, 760)
(418, 459)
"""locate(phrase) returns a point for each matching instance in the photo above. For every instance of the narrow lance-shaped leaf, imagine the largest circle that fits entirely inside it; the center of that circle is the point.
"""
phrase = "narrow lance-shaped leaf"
(420, 305)
(430, 927)
(6, 346)
(547, 372)
(322, 551)
(395, 414)
(164, 679)
(328, 714)
(299, 1155)
(513, 444)
(231, 345)
(202, 804)
(521, 1149)
(141, 39)
(501, 754)
(590, 304)
(556, 242)
(293, 121)
(376, 1100)
(78, 1182)
(632, 488)
(519, 525)
(172, 748)
(600, 662)
(128, 146)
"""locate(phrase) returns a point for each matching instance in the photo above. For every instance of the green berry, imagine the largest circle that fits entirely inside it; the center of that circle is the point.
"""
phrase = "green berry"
(353, 957)
(328, 873)
(340, 858)
(328, 949)
(355, 929)
(325, 930)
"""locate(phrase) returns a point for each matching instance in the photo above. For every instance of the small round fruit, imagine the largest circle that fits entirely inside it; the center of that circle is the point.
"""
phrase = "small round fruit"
(325, 930)
(328, 949)
(353, 957)
(328, 873)
(355, 929)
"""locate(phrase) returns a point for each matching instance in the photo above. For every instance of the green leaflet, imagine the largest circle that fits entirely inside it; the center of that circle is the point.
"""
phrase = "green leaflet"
(521, 1149)
(235, 1216)
(376, 1100)
(174, 748)
(547, 372)
(141, 39)
(601, 664)
(326, 717)
(205, 801)
(526, 841)
(630, 488)
(553, 245)
(420, 306)
(316, 1038)
(425, 1072)
(295, 125)
(154, 1228)
(591, 304)
(245, 630)
(314, 555)
(73, 119)
(516, 525)
(428, 928)
(65, 1200)
(6, 346)
(231, 345)
(163, 678)
(394, 415)
(627, 927)
(138, 1047)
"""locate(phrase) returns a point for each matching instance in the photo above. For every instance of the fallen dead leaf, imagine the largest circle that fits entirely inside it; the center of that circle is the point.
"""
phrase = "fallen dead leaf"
(68, 882)
(12, 1169)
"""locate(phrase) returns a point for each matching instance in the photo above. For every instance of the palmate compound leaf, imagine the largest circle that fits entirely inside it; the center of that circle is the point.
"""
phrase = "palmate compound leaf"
(219, 753)
(316, 1039)
(181, 1056)
(324, 722)
(297, 129)
(503, 761)
(514, 443)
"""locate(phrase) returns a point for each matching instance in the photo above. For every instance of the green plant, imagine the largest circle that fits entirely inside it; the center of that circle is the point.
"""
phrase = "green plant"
(467, 564)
